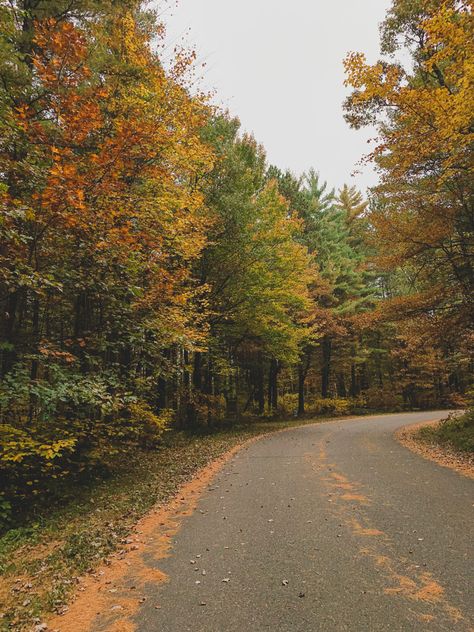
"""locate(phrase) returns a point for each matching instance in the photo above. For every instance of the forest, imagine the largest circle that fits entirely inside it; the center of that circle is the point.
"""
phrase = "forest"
(157, 273)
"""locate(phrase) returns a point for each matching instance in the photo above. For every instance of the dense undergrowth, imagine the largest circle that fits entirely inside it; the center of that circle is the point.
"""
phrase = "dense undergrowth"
(50, 459)
(456, 432)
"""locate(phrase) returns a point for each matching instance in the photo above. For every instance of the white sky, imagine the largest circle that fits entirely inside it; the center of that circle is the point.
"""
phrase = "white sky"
(277, 65)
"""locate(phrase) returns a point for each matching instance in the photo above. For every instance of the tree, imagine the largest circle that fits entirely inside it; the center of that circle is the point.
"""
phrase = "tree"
(422, 213)
(425, 213)
(256, 270)
(333, 233)
(101, 218)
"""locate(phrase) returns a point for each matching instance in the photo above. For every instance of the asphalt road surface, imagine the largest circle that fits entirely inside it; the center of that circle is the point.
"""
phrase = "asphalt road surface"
(327, 527)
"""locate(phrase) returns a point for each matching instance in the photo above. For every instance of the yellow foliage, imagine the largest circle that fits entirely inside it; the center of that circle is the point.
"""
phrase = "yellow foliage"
(433, 110)
(149, 426)
(19, 444)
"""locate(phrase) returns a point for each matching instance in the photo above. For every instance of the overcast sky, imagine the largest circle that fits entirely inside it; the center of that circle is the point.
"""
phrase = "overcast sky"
(277, 65)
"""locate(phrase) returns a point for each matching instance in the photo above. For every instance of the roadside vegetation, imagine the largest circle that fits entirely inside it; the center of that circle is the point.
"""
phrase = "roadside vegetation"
(456, 432)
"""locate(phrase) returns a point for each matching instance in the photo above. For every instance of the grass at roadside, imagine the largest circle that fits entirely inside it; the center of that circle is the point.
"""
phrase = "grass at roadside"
(456, 432)
(41, 559)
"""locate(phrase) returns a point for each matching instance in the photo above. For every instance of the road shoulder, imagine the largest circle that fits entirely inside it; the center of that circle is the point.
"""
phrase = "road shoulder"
(408, 436)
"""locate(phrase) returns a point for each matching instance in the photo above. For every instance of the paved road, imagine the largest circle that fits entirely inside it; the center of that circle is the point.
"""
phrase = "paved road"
(325, 528)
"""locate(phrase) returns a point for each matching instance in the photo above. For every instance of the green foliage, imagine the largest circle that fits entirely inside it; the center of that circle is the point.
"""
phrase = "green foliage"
(456, 431)
(61, 426)
(255, 268)
(5, 510)
(64, 392)
(19, 445)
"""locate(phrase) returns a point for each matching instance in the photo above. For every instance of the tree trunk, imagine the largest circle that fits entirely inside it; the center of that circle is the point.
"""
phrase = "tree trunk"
(326, 348)
(161, 389)
(162, 383)
(194, 389)
(353, 390)
(303, 369)
(275, 388)
(301, 380)
(207, 388)
(232, 393)
(260, 389)
(197, 371)
(364, 377)
(34, 361)
(189, 409)
(341, 385)
(273, 385)
(9, 354)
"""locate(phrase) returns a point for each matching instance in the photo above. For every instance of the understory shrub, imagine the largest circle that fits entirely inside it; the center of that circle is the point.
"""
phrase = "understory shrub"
(383, 398)
(288, 405)
(455, 431)
(64, 424)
